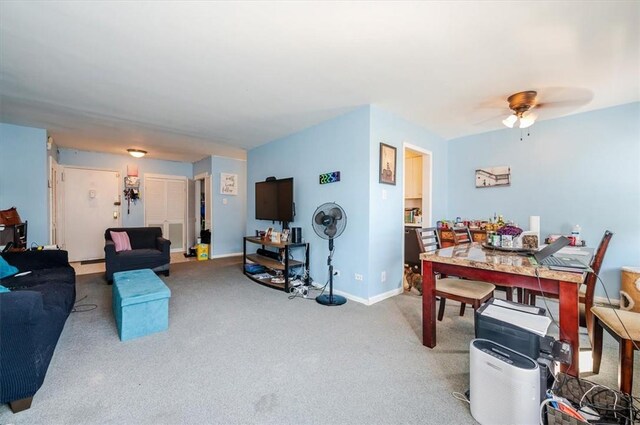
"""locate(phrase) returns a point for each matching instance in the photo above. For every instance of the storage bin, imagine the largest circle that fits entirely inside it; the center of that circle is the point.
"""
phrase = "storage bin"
(574, 389)
(140, 303)
(202, 251)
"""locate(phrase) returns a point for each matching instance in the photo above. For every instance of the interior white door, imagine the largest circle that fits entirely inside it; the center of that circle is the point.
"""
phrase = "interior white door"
(191, 213)
(91, 200)
(208, 213)
(208, 210)
(165, 207)
(176, 211)
(53, 196)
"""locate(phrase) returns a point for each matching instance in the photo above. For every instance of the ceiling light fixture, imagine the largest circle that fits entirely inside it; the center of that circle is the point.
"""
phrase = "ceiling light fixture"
(521, 104)
(137, 153)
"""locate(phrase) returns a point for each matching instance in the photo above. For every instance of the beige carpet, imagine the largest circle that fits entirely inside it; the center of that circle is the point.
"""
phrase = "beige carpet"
(239, 353)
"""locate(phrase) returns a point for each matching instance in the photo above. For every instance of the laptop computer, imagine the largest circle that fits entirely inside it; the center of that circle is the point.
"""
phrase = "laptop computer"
(545, 257)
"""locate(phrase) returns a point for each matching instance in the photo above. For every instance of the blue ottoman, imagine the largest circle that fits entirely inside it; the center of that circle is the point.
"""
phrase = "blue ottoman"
(140, 303)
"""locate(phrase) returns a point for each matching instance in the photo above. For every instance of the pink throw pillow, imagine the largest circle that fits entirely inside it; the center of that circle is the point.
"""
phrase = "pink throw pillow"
(121, 239)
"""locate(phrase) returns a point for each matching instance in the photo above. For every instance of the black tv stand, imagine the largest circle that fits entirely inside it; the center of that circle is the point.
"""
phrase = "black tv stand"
(270, 263)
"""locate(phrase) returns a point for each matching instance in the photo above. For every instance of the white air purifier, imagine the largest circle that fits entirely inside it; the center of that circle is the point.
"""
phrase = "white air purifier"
(505, 385)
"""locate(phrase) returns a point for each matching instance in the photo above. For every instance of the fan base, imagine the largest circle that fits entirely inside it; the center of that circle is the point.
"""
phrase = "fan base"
(333, 300)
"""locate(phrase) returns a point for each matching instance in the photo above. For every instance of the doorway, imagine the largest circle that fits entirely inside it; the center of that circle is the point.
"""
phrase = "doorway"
(203, 207)
(417, 186)
(54, 200)
(165, 206)
(91, 204)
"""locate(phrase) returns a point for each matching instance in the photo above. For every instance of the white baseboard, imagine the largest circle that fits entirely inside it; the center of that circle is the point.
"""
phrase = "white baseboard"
(350, 297)
(386, 295)
(596, 300)
(398, 291)
(233, 254)
(372, 300)
(604, 300)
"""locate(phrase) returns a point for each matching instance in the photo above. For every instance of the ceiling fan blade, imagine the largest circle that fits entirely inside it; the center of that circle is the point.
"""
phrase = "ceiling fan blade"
(494, 118)
(318, 218)
(562, 104)
(336, 213)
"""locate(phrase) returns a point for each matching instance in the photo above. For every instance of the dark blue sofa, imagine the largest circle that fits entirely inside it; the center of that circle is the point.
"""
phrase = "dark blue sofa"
(149, 251)
(32, 317)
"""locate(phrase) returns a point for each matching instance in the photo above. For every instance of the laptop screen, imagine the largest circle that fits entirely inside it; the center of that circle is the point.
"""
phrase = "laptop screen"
(551, 249)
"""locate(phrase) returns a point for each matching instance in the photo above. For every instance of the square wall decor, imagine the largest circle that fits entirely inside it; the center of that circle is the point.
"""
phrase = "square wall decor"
(228, 184)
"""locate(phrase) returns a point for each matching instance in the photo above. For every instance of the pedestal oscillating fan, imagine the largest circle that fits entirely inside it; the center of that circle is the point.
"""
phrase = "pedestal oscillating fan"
(329, 221)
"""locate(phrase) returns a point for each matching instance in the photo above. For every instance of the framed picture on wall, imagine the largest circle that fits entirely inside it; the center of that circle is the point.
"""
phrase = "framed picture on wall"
(387, 164)
(493, 176)
(228, 184)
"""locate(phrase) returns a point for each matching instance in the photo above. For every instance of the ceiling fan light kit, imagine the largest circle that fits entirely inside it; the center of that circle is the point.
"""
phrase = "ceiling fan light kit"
(521, 104)
(510, 121)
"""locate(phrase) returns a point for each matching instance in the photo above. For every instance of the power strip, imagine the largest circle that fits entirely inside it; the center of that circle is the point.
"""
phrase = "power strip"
(300, 290)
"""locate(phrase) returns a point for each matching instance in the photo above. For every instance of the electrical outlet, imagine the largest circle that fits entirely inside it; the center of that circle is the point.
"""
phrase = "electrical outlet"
(383, 276)
(358, 276)
(336, 272)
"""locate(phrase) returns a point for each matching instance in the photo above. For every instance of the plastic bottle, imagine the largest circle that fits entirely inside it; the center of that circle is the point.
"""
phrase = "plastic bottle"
(576, 234)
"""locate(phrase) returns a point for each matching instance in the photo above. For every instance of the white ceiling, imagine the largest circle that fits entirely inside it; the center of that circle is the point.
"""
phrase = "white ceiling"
(185, 80)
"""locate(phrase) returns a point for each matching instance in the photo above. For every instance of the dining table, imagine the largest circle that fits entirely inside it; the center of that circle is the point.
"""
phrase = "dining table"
(476, 261)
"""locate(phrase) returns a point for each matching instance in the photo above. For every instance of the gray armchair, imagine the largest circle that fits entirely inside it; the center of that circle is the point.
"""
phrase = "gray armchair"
(149, 250)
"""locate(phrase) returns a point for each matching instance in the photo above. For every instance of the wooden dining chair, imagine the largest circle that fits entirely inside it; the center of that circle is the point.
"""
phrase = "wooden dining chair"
(587, 289)
(474, 293)
(418, 241)
(464, 291)
(624, 326)
(462, 235)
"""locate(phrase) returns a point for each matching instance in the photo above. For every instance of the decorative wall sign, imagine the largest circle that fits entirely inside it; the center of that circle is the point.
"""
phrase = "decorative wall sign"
(331, 177)
(387, 164)
(228, 184)
(493, 176)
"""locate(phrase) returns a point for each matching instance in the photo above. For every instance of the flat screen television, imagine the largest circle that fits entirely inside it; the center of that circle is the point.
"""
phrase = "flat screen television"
(274, 200)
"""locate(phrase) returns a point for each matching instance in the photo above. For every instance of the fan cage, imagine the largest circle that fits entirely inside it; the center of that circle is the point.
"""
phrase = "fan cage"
(326, 209)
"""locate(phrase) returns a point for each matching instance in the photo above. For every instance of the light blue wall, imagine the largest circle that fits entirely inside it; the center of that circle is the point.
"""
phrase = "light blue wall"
(386, 226)
(372, 242)
(229, 219)
(340, 144)
(23, 178)
(582, 169)
(202, 166)
(78, 158)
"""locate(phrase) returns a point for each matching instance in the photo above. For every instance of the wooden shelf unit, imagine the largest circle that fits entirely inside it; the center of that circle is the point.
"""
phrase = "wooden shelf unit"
(274, 264)
(446, 237)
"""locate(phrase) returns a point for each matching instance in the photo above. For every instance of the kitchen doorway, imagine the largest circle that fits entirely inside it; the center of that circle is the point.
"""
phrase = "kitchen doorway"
(417, 186)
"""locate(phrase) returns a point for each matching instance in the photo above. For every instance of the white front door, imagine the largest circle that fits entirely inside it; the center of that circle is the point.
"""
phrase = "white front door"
(91, 205)
(165, 203)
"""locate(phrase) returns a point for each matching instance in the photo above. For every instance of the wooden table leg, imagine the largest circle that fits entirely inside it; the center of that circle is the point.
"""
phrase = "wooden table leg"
(625, 367)
(569, 323)
(428, 305)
